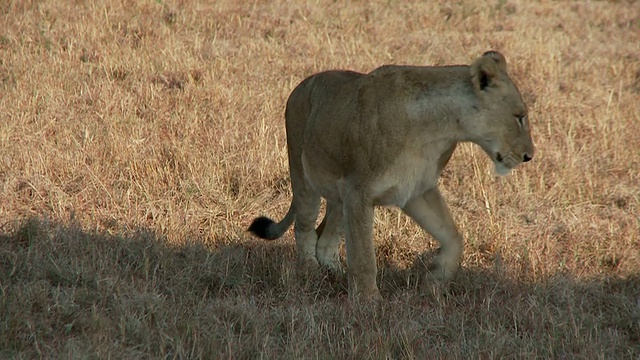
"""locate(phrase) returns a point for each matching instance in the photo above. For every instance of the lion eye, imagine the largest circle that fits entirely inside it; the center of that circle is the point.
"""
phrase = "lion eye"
(521, 119)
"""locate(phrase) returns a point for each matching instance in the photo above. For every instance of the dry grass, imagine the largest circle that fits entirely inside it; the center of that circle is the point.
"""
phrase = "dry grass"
(139, 138)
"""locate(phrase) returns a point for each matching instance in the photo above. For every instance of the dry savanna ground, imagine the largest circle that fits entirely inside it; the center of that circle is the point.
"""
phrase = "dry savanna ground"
(138, 139)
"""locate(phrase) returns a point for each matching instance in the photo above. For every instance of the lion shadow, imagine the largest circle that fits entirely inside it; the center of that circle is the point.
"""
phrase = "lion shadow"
(66, 254)
(39, 258)
(249, 264)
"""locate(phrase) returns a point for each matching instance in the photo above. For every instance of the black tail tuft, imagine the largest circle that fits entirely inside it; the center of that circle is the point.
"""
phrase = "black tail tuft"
(261, 226)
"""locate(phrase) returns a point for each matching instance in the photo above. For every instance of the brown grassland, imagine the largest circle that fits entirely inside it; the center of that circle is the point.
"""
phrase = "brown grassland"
(138, 139)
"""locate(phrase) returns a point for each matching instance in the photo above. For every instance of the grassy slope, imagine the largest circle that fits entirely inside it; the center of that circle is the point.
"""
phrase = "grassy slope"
(138, 140)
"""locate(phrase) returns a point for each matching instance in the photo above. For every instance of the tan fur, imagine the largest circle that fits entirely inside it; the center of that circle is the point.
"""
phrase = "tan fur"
(383, 138)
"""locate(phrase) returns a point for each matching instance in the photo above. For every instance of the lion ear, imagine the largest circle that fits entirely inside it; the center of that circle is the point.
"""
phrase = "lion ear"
(498, 58)
(485, 70)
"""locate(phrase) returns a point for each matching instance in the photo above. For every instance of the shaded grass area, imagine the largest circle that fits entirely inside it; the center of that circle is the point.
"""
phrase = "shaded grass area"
(78, 293)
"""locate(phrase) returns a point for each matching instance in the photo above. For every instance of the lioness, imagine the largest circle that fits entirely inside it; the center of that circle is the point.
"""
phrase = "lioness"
(383, 138)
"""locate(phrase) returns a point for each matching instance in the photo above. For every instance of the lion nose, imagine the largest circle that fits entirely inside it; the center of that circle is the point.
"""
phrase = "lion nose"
(527, 157)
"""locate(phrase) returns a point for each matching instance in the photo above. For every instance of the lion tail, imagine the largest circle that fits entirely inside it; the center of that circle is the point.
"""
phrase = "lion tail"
(265, 228)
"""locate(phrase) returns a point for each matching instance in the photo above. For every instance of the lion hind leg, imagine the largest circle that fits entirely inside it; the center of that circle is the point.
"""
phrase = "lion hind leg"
(330, 237)
(307, 210)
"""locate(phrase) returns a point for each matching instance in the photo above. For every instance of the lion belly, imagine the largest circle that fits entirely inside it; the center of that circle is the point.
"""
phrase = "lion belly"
(406, 179)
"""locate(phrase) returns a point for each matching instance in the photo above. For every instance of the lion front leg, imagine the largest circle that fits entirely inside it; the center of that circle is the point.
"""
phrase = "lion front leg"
(432, 214)
(361, 258)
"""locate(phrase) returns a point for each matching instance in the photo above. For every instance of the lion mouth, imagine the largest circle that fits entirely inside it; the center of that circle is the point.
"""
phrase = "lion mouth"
(504, 164)
(502, 169)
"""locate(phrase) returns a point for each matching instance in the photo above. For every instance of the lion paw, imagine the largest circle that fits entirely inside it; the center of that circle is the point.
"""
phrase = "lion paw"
(443, 272)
